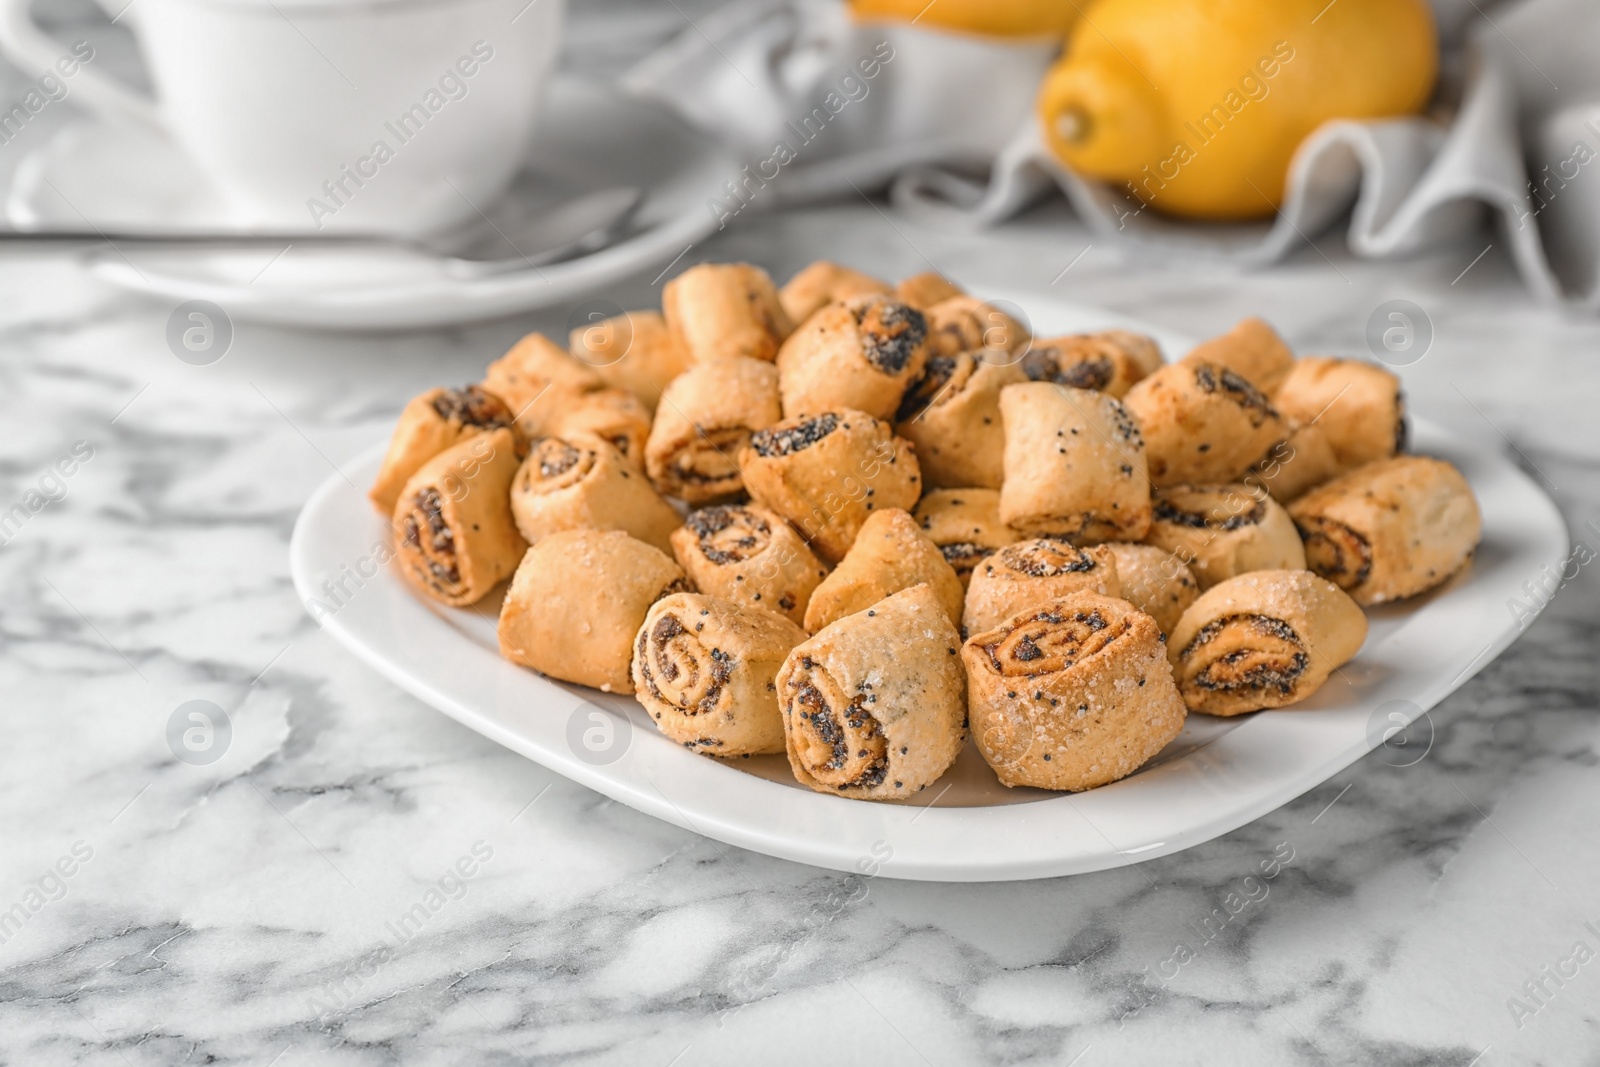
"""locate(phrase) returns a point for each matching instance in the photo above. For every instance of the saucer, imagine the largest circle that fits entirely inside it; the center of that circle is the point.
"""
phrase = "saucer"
(591, 136)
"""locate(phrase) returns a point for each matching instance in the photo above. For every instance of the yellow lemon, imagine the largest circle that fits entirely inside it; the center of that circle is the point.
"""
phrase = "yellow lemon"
(998, 18)
(1197, 106)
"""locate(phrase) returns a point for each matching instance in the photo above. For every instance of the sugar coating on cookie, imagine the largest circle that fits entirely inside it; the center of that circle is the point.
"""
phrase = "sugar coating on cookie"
(1072, 694)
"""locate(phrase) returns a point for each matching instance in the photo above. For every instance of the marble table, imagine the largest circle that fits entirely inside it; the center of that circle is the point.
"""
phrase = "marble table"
(255, 909)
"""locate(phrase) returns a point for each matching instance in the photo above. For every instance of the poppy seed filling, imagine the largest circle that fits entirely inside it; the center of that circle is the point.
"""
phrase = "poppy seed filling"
(1050, 641)
(712, 525)
(1046, 365)
(936, 374)
(827, 729)
(1217, 518)
(1046, 560)
(439, 551)
(891, 333)
(1214, 379)
(1335, 550)
(658, 657)
(667, 627)
(471, 406)
(787, 440)
(961, 554)
(1270, 655)
(556, 457)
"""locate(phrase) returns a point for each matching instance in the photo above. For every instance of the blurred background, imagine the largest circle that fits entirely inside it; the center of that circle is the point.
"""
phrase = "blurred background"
(1421, 897)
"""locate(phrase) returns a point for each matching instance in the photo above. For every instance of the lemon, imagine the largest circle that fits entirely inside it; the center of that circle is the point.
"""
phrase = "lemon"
(1196, 107)
(997, 18)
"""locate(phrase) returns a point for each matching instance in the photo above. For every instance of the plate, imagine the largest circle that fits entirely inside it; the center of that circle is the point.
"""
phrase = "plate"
(590, 137)
(1216, 776)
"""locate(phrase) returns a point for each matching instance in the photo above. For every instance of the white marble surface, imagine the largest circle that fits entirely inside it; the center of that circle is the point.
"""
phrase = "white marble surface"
(222, 906)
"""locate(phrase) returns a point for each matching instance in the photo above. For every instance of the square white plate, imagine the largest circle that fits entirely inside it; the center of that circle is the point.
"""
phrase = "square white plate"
(1218, 775)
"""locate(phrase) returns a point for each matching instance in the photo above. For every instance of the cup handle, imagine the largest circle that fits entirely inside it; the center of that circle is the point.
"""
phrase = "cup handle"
(28, 46)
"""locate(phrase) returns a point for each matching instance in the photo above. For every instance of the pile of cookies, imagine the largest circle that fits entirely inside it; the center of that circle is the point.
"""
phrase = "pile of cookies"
(852, 522)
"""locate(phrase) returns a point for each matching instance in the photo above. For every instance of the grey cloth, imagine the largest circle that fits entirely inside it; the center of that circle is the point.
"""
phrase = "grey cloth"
(946, 125)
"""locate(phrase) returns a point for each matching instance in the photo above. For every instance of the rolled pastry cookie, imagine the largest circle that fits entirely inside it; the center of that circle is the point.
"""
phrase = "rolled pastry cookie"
(1155, 581)
(452, 521)
(1109, 362)
(823, 283)
(952, 417)
(722, 310)
(1358, 405)
(1141, 348)
(927, 289)
(1071, 694)
(1263, 640)
(749, 555)
(705, 418)
(1202, 423)
(1074, 465)
(827, 473)
(633, 351)
(577, 602)
(615, 415)
(428, 425)
(874, 707)
(1253, 350)
(1301, 462)
(704, 667)
(1391, 529)
(967, 324)
(965, 524)
(862, 353)
(1030, 573)
(538, 379)
(890, 553)
(581, 482)
(1224, 530)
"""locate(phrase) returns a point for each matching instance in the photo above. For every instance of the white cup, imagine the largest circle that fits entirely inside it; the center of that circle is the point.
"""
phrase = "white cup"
(396, 115)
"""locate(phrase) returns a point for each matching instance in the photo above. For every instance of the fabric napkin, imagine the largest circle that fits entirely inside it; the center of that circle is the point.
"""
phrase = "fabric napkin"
(823, 107)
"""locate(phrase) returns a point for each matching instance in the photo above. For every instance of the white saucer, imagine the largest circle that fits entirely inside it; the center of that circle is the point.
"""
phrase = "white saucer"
(1218, 775)
(591, 136)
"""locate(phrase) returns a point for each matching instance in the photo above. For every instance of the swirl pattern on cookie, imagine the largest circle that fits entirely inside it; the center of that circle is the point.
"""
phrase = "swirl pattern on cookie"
(706, 416)
(428, 425)
(951, 415)
(1072, 693)
(582, 481)
(703, 668)
(873, 705)
(1390, 529)
(861, 353)
(827, 473)
(747, 554)
(1028, 573)
(1224, 530)
(455, 536)
(1263, 640)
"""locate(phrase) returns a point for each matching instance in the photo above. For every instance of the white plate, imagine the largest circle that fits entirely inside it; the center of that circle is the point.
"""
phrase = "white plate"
(1218, 775)
(590, 137)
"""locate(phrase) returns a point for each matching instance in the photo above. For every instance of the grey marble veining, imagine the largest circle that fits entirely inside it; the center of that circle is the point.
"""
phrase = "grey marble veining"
(263, 909)
(254, 908)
